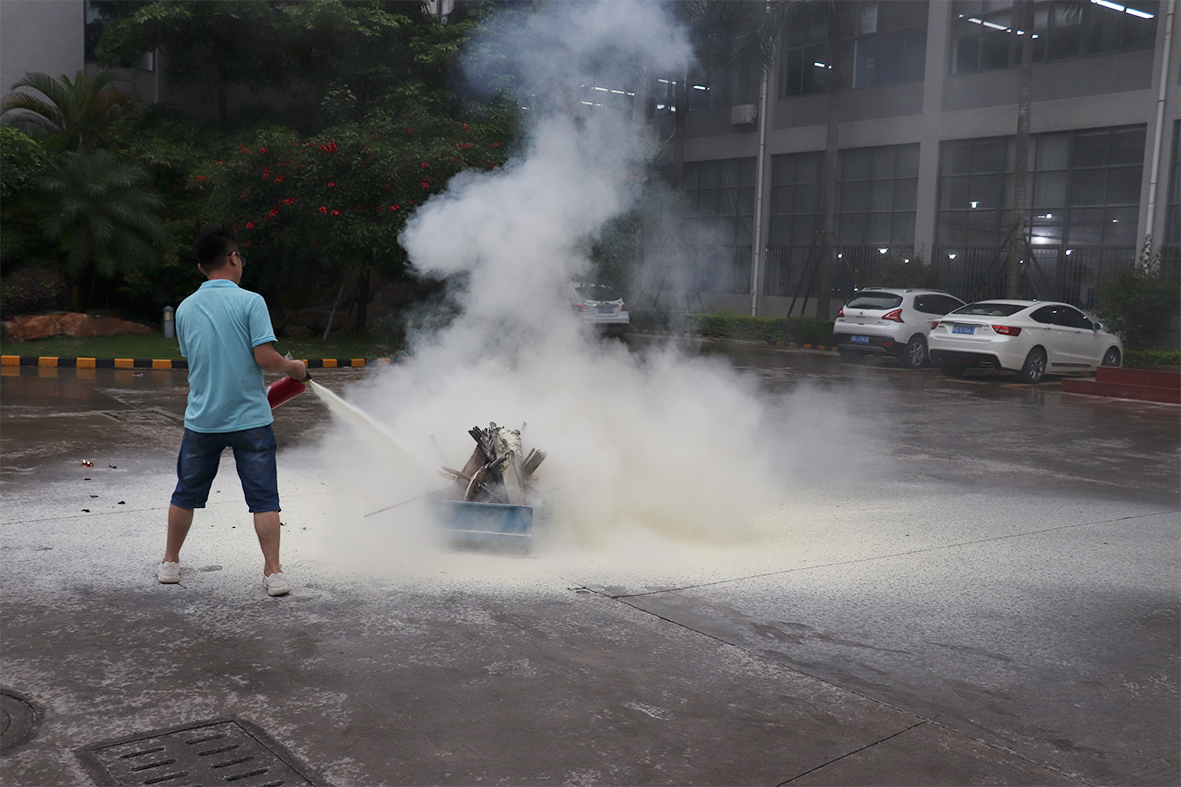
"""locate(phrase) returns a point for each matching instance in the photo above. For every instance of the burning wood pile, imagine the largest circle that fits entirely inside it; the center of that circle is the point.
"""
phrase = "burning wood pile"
(499, 470)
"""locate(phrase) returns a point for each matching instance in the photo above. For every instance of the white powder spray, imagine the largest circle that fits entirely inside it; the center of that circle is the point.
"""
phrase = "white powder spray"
(643, 448)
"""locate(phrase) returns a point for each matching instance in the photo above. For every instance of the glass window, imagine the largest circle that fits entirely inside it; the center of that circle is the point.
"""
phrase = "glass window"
(1088, 187)
(988, 309)
(988, 35)
(877, 300)
(884, 43)
(1072, 318)
(1084, 189)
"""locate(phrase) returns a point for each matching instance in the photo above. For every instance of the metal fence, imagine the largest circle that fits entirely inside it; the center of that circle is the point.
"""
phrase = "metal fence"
(1058, 273)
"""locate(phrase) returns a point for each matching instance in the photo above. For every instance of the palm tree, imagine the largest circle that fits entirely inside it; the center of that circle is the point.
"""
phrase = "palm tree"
(71, 116)
(102, 218)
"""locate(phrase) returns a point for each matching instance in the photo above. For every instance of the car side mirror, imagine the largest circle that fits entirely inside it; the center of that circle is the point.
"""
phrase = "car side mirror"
(1096, 326)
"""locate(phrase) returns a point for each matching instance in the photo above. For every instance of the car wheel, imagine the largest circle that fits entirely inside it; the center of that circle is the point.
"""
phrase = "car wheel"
(1111, 357)
(1034, 368)
(952, 370)
(851, 356)
(916, 352)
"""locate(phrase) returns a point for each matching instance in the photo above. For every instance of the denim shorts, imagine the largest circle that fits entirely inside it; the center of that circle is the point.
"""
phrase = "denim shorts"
(254, 453)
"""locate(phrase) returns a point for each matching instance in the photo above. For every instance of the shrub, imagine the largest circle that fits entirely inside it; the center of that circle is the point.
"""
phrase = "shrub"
(801, 330)
(1150, 358)
(31, 290)
(1138, 302)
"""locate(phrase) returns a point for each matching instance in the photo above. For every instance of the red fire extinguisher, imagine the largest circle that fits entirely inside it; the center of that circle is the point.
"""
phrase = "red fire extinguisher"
(286, 388)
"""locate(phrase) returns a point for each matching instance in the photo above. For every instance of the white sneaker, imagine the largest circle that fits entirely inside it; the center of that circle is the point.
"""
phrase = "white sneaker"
(276, 584)
(168, 573)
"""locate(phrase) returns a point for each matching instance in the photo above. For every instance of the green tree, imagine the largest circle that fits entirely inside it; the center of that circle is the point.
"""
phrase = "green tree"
(338, 201)
(22, 163)
(101, 218)
(73, 115)
(207, 45)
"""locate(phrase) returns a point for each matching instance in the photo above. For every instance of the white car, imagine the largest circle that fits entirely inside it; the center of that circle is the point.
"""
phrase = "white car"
(600, 306)
(1032, 338)
(880, 321)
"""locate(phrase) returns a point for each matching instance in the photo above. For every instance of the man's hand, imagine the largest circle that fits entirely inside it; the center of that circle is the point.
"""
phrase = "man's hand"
(268, 358)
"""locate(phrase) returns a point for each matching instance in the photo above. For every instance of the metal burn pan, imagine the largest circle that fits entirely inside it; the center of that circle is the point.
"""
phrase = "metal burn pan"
(477, 524)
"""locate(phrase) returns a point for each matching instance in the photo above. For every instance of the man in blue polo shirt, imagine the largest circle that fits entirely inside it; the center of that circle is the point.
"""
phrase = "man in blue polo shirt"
(226, 334)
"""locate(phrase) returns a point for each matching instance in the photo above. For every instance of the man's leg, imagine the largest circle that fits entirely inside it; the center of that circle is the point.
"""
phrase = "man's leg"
(266, 525)
(179, 522)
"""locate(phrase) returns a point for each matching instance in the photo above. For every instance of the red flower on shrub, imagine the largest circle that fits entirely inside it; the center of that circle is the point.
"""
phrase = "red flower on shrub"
(323, 209)
(393, 207)
(274, 212)
(336, 213)
(331, 183)
(289, 201)
(262, 150)
(266, 172)
(279, 179)
(250, 225)
(424, 165)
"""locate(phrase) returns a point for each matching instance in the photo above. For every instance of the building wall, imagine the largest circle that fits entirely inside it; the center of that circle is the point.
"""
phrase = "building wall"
(41, 35)
(1095, 91)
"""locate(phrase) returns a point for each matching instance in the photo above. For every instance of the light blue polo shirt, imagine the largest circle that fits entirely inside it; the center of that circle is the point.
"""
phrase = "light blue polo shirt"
(219, 326)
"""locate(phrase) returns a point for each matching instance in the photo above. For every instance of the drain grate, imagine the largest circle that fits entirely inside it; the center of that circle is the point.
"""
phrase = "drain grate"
(17, 717)
(220, 751)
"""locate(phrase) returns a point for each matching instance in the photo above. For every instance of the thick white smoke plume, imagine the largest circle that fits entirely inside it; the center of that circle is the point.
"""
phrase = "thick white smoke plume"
(654, 443)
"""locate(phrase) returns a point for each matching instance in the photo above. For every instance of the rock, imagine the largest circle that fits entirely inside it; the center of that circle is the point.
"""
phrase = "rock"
(71, 324)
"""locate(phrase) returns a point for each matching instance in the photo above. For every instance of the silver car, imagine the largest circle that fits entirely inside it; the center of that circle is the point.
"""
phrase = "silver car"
(894, 322)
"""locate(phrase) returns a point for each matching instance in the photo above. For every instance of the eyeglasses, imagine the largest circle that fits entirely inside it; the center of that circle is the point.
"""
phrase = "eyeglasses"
(241, 259)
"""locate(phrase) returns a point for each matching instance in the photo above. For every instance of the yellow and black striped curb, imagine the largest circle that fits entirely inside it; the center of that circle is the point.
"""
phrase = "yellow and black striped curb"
(687, 335)
(165, 363)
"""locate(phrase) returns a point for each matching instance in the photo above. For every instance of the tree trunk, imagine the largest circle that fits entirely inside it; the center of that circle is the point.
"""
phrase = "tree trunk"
(1021, 156)
(827, 257)
(362, 301)
(680, 113)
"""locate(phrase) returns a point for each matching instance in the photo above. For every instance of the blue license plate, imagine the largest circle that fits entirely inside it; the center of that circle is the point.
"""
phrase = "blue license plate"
(968, 329)
(606, 310)
(859, 339)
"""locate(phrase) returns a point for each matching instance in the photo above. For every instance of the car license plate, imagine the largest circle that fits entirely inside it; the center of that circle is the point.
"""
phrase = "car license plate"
(859, 339)
(606, 310)
(968, 329)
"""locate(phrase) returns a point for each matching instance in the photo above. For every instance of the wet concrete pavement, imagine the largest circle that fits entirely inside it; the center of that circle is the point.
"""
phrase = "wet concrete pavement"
(971, 582)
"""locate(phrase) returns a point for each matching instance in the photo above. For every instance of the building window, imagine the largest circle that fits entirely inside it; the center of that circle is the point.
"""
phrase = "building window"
(662, 95)
(1171, 248)
(1084, 189)
(987, 33)
(1173, 211)
(882, 44)
(719, 211)
(877, 190)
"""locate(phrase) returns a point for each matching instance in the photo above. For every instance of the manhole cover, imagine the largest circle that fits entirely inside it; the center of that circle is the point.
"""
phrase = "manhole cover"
(221, 751)
(17, 717)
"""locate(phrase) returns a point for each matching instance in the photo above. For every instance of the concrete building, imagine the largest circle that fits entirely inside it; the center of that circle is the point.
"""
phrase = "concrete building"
(41, 35)
(928, 116)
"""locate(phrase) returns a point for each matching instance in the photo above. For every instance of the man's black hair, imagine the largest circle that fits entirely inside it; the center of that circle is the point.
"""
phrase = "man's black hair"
(213, 244)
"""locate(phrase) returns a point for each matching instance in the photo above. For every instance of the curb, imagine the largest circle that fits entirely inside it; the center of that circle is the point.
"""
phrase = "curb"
(50, 361)
(685, 335)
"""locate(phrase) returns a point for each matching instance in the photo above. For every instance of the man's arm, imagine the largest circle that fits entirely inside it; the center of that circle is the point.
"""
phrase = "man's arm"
(268, 358)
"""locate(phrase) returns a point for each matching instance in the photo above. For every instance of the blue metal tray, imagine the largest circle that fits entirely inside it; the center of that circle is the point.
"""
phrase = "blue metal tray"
(483, 523)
